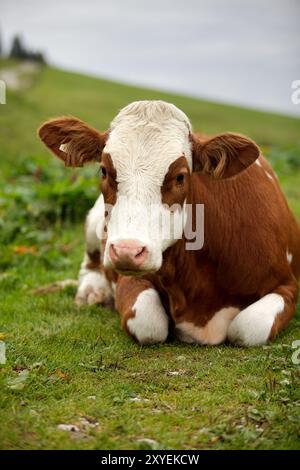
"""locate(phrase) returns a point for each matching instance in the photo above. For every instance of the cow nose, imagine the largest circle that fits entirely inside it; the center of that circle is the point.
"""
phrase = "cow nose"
(128, 254)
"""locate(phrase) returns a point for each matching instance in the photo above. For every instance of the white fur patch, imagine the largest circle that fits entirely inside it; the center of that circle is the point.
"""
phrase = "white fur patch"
(95, 224)
(63, 147)
(252, 327)
(289, 257)
(214, 332)
(114, 287)
(150, 324)
(269, 175)
(145, 138)
(257, 162)
(93, 288)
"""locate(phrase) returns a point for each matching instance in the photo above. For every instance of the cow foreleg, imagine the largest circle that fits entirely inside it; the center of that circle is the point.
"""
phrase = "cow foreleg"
(142, 314)
(263, 320)
(94, 287)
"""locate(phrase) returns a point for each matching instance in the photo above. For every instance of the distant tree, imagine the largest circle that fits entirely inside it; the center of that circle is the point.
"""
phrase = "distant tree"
(18, 51)
(36, 57)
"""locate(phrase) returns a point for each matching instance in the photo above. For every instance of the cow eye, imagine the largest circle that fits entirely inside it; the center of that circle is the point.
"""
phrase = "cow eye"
(180, 178)
(103, 172)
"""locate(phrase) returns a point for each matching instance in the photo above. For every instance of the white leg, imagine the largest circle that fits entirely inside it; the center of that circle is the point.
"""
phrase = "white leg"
(94, 288)
(150, 324)
(253, 325)
(94, 225)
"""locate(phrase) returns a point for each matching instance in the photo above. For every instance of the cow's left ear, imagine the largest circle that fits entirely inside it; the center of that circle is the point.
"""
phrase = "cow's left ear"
(72, 140)
(223, 156)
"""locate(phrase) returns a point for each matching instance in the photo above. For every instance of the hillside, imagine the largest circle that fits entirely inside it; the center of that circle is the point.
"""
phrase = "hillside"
(55, 92)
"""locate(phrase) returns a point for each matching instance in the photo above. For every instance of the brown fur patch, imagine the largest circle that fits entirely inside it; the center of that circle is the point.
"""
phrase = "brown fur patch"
(108, 184)
(94, 259)
(173, 191)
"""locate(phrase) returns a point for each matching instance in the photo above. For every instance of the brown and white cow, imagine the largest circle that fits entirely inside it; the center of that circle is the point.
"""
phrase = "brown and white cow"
(241, 285)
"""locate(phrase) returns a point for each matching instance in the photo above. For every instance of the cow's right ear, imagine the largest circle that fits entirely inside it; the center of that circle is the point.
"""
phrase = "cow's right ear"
(72, 140)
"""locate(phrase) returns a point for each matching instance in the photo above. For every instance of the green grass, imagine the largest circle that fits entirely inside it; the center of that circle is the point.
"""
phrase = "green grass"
(219, 397)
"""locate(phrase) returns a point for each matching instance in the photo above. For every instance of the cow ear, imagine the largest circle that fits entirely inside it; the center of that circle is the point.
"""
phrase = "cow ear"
(72, 140)
(223, 156)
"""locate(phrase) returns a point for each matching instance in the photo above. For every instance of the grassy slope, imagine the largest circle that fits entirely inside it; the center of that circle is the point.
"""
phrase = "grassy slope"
(222, 397)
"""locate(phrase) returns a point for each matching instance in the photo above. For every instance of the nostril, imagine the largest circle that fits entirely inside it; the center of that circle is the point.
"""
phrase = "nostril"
(141, 252)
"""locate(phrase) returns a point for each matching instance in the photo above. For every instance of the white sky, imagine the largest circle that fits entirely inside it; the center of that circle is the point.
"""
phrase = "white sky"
(239, 51)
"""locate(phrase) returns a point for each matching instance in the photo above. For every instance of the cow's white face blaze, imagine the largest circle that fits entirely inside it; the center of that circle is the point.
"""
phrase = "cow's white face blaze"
(145, 139)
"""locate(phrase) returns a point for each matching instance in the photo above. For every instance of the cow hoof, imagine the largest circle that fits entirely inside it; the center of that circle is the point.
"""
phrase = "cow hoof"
(150, 324)
(94, 289)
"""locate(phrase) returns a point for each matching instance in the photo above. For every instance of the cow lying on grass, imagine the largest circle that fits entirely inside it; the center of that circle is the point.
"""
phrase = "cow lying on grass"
(239, 284)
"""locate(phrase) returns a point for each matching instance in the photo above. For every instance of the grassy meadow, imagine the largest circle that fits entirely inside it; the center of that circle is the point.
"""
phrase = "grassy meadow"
(70, 366)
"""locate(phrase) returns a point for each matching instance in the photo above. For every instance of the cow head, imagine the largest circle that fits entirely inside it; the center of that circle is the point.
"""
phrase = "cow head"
(146, 158)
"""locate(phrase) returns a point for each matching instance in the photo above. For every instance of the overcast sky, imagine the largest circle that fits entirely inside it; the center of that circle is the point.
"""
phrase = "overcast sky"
(239, 51)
